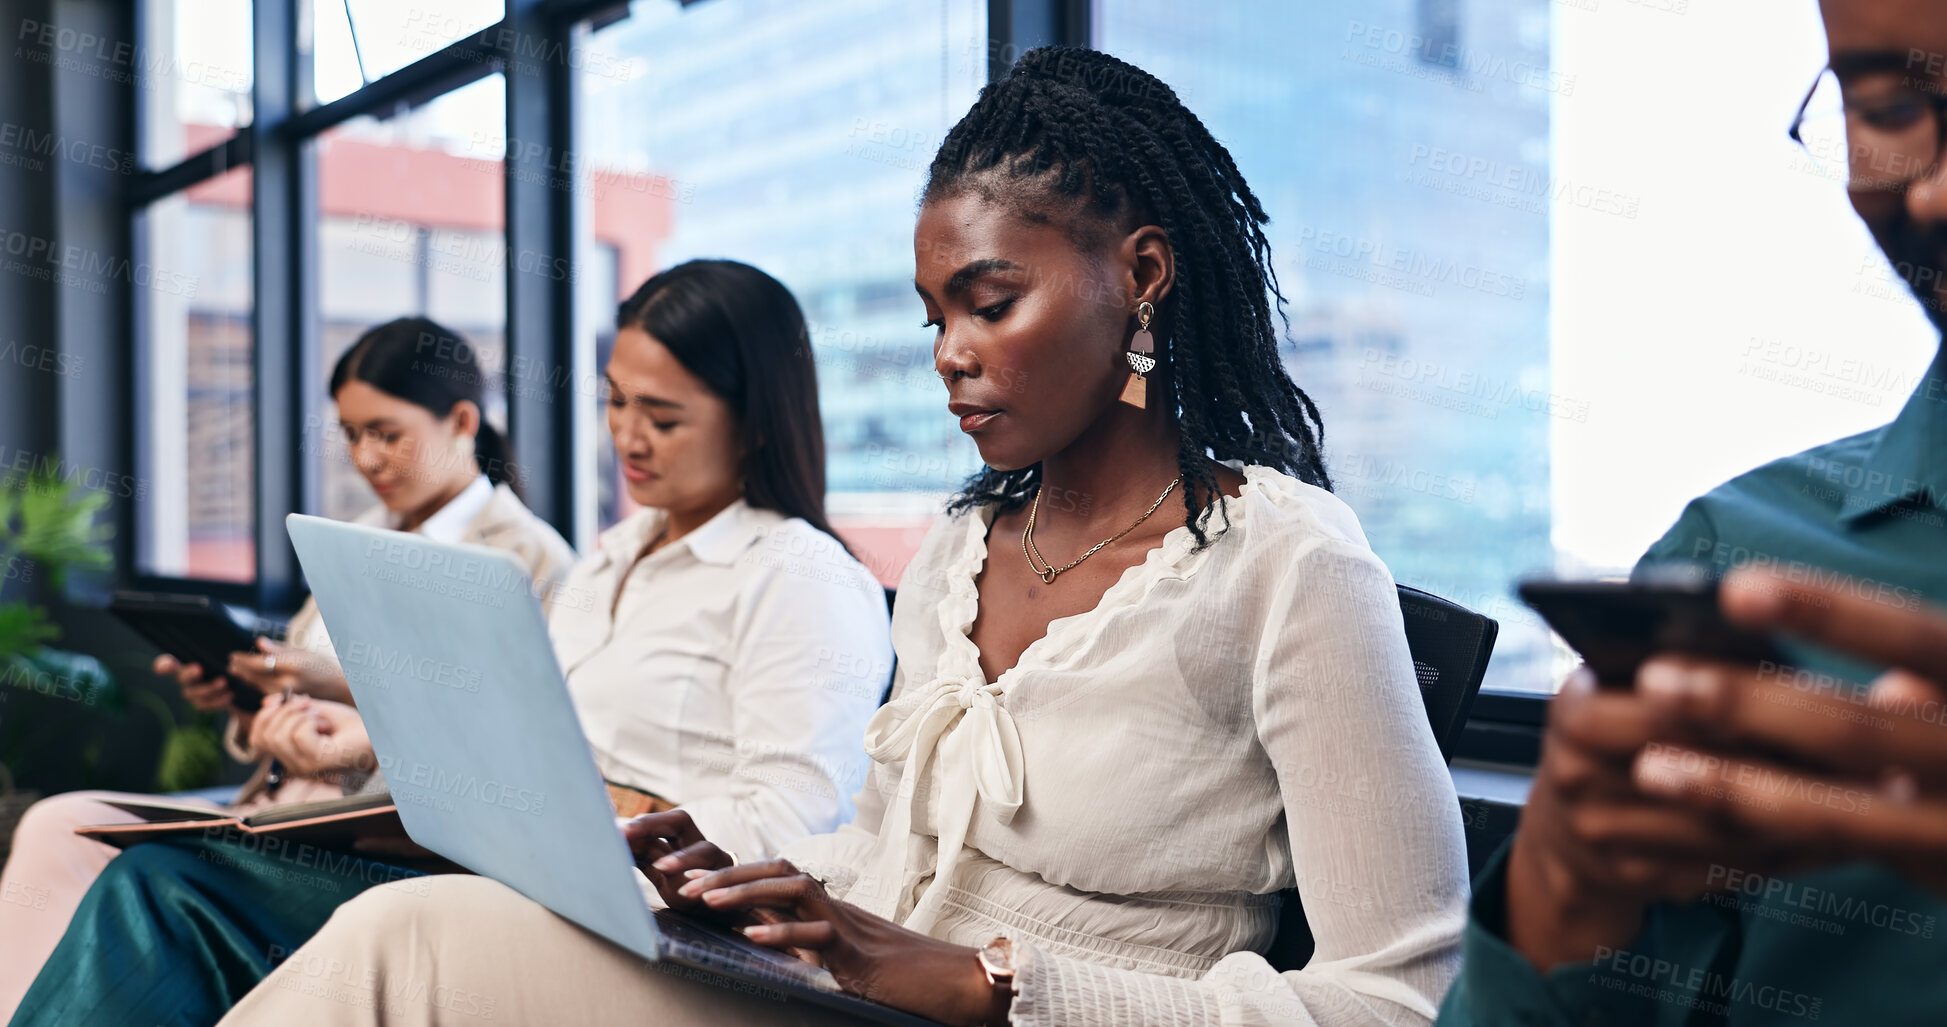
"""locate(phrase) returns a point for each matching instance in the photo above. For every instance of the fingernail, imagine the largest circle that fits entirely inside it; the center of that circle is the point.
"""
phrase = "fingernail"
(1758, 593)
(690, 890)
(1658, 782)
(756, 932)
(695, 872)
(1660, 774)
(669, 862)
(1668, 680)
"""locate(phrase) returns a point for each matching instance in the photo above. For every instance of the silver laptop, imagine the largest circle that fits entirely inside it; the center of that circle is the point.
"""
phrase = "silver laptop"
(448, 657)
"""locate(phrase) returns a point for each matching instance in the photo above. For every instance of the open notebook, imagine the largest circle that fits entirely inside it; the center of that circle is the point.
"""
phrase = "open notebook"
(331, 823)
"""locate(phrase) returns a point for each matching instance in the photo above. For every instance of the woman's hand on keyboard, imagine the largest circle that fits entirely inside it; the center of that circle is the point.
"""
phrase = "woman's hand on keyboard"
(667, 847)
(870, 956)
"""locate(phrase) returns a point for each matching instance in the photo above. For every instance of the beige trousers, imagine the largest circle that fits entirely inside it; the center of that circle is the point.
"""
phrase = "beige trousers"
(50, 868)
(458, 949)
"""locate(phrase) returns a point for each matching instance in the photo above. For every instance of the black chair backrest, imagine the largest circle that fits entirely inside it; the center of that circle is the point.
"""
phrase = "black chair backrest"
(885, 695)
(1450, 645)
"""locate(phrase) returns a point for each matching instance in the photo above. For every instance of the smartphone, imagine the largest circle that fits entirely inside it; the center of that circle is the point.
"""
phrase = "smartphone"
(1617, 625)
(193, 630)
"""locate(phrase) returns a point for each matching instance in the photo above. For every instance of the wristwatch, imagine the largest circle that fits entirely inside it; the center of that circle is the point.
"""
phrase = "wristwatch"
(997, 962)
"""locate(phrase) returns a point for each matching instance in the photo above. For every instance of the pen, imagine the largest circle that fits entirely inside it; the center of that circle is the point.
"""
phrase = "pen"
(275, 776)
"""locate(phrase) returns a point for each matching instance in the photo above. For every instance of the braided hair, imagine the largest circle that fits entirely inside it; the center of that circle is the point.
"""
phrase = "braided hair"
(1076, 137)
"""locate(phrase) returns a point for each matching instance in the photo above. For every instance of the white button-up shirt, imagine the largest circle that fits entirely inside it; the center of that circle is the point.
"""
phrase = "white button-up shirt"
(449, 522)
(731, 672)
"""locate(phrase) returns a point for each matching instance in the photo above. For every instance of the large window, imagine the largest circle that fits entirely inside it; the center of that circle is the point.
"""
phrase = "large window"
(412, 212)
(357, 42)
(407, 217)
(1744, 313)
(193, 292)
(810, 170)
(1542, 293)
(192, 74)
(1418, 299)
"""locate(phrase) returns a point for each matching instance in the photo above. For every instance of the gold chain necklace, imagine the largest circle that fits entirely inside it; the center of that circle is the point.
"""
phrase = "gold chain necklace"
(1048, 571)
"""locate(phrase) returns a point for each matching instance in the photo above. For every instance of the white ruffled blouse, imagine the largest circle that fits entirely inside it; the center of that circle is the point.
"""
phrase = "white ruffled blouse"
(1127, 801)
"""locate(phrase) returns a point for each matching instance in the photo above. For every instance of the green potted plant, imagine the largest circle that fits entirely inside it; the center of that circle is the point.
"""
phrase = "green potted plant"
(47, 529)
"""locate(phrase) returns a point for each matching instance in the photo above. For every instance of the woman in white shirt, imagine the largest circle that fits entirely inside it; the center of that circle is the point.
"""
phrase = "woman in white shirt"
(409, 402)
(706, 673)
(724, 651)
(1117, 733)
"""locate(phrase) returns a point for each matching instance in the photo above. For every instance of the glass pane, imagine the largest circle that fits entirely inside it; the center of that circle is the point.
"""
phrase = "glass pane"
(360, 41)
(809, 171)
(1403, 152)
(192, 70)
(193, 287)
(1687, 384)
(413, 210)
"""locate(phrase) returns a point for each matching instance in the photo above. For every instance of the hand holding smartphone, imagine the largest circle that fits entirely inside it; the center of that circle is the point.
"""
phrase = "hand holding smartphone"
(1617, 625)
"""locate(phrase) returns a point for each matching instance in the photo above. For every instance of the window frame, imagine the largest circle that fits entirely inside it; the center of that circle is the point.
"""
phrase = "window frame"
(279, 144)
(542, 324)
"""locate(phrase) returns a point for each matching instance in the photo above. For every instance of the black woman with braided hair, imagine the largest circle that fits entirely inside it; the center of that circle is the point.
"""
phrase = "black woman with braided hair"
(1150, 674)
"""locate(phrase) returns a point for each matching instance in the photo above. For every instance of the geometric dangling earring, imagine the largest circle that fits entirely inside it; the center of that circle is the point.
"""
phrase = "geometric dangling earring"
(1141, 356)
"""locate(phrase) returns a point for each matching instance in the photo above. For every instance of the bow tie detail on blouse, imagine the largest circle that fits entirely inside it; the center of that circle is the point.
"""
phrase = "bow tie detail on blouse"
(959, 727)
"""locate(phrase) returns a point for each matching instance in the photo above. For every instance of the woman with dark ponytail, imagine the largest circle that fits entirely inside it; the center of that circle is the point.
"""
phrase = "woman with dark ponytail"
(416, 360)
(410, 395)
(1117, 736)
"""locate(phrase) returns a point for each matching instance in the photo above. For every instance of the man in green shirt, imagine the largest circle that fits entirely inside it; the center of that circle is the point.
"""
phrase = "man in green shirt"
(1660, 873)
(1769, 845)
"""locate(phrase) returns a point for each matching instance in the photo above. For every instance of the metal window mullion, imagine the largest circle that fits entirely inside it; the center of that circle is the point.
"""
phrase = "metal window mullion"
(572, 233)
(1077, 22)
(541, 264)
(88, 416)
(596, 12)
(1017, 26)
(306, 375)
(283, 225)
(218, 160)
(459, 63)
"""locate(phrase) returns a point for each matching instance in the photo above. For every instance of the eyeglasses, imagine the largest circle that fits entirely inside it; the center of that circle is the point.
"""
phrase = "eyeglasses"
(1880, 141)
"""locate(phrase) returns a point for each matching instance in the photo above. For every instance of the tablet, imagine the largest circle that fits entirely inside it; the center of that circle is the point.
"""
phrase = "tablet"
(193, 630)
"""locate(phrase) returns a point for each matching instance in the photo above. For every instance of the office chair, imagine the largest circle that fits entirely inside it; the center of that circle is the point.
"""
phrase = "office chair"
(885, 695)
(1450, 645)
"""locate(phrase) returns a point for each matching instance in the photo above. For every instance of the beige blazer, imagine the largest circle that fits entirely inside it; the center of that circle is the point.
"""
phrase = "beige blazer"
(504, 523)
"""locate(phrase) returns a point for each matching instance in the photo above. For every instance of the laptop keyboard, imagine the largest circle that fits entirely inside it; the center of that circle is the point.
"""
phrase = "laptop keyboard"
(709, 948)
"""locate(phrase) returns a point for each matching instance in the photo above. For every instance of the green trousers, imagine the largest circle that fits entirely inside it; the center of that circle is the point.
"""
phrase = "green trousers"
(175, 932)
